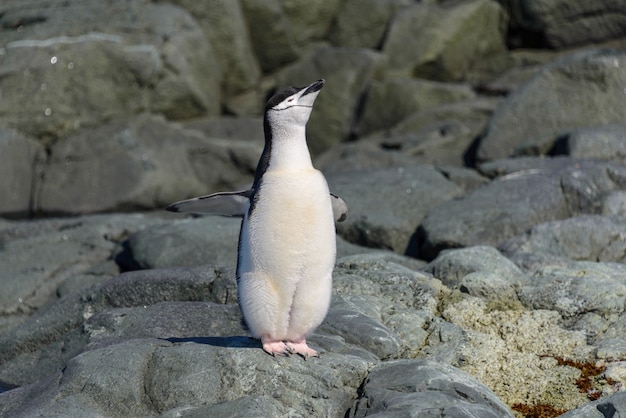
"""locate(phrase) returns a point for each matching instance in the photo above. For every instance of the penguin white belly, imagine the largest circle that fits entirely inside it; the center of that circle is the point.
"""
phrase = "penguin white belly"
(286, 255)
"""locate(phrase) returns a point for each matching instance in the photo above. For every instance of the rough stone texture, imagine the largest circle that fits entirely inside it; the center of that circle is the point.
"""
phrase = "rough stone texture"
(528, 192)
(589, 237)
(390, 101)
(65, 250)
(279, 29)
(525, 344)
(577, 288)
(438, 42)
(528, 323)
(224, 25)
(492, 213)
(144, 162)
(426, 389)
(18, 157)
(599, 80)
(112, 62)
(414, 190)
(452, 266)
(614, 405)
(363, 23)
(563, 23)
(607, 143)
(347, 71)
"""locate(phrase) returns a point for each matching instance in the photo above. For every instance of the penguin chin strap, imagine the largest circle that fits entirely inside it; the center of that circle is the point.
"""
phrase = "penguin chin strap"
(289, 107)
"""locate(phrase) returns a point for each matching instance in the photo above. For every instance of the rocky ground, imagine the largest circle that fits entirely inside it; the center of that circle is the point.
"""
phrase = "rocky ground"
(479, 145)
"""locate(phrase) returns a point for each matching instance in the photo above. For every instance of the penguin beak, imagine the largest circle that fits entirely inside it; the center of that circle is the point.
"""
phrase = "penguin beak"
(314, 87)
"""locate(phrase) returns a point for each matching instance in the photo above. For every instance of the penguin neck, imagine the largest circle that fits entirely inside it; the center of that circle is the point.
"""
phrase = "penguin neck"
(287, 148)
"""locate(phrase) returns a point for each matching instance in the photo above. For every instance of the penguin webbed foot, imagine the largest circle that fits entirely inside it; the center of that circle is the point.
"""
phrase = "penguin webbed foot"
(275, 348)
(300, 347)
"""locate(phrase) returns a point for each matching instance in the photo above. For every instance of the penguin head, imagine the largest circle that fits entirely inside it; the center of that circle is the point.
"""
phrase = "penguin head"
(293, 105)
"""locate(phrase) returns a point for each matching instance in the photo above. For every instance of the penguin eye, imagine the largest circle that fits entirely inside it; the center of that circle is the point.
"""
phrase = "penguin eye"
(290, 100)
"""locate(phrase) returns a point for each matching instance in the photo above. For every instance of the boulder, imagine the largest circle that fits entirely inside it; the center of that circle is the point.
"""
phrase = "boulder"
(587, 237)
(372, 221)
(364, 23)
(144, 162)
(443, 135)
(452, 266)
(561, 23)
(578, 288)
(606, 143)
(420, 387)
(569, 87)
(442, 42)
(281, 31)
(347, 72)
(225, 27)
(391, 100)
(158, 377)
(81, 250)
(18, 170)
(115, 61)
(499, 210)
(529, 191)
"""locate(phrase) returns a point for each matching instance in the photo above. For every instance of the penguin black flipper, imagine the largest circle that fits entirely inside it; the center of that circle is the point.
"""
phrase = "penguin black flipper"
(233, 204)
(340, 208)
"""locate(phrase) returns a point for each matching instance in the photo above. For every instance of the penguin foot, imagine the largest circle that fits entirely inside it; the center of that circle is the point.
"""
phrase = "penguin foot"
(300, 347)
(275, 348)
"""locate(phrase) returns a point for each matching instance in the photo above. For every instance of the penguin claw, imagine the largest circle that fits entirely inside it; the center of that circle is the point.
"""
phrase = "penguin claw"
(276, 348)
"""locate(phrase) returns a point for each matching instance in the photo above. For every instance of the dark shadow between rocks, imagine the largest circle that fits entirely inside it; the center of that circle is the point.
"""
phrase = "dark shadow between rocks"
(235, 341)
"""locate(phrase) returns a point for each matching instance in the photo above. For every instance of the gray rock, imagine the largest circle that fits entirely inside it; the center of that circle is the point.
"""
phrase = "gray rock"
(144, 162)
(442, 135)
(519, 122)
(224, 25)
(453, 266)
(435, 42)
(365, 154)
(347, 72)
(528, 192)
(112, 62)
(228, 127)
(187, 242)
(488, 215)
(589, 237)
(38, 257)
(363, 24)
(157, 376)
(52, 336)
(426, 389)
(281, 31)
(372, 221)
(580, 22)
(394, 302)
(610, 406)
(578, 288)
(391, 100)
(615, 204)
(606, 143)
(18, 157)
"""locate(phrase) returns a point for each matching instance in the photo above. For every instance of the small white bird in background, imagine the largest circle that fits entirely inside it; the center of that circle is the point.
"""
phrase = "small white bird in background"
(287, 244)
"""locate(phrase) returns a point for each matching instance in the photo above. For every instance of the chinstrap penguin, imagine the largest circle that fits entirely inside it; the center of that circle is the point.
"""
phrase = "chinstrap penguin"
(287, 244)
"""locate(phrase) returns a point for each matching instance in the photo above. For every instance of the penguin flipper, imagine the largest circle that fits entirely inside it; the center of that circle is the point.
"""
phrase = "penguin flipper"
(340, 208)
(232, 204)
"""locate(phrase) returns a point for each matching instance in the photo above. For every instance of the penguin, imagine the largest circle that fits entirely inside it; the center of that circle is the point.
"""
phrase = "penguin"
(287, 244)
